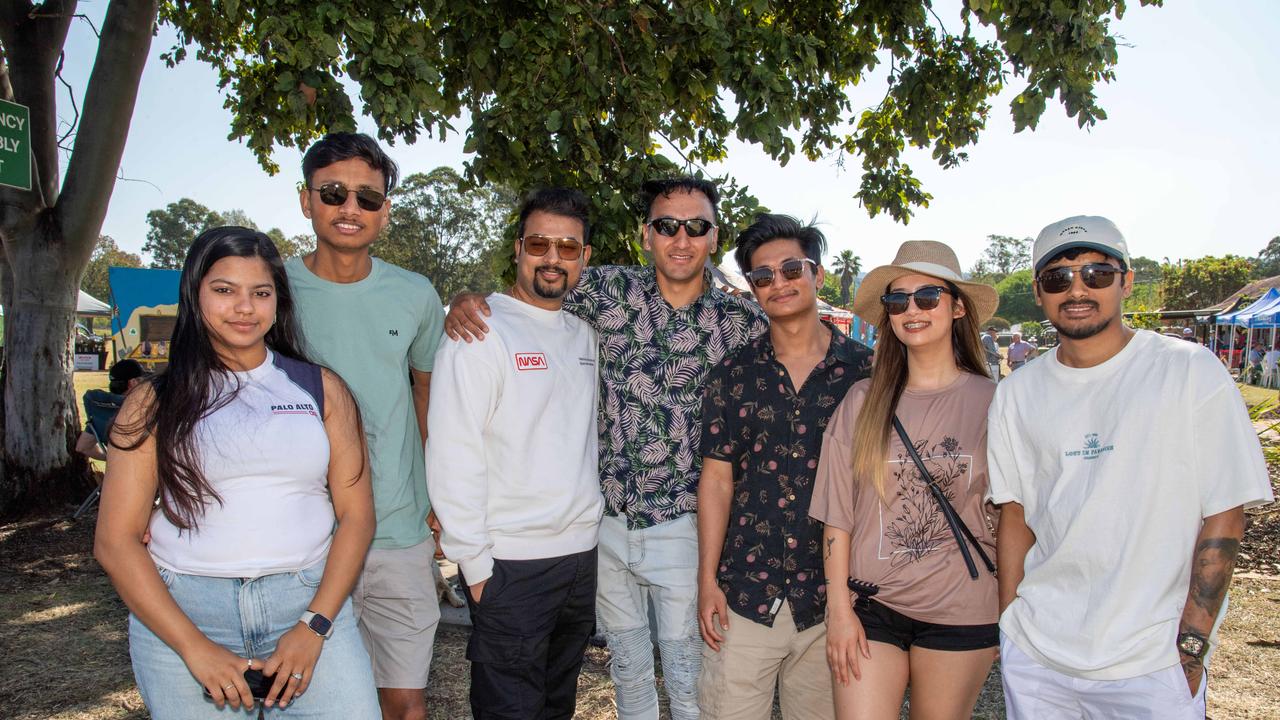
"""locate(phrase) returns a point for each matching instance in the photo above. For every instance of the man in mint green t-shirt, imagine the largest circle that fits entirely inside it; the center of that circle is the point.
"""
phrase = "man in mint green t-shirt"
(377, 326)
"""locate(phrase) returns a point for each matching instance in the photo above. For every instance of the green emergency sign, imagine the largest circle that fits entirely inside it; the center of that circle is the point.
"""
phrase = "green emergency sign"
(15, 145)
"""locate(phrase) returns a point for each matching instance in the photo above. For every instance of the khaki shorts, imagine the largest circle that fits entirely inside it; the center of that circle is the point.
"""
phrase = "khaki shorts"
(737, 683)
(398, 611)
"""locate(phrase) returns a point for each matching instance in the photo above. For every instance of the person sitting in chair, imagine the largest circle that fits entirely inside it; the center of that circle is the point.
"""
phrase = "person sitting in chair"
(100, 407)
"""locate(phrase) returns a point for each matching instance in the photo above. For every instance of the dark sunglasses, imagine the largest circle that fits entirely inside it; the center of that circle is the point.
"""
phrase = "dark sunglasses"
(566, 247)
(927, 298)
(335, 194)
(1095, 276)
(695, 227)
(790, 269)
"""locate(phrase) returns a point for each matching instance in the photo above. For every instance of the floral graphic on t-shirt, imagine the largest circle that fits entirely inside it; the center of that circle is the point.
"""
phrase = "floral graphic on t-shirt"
(917, 526)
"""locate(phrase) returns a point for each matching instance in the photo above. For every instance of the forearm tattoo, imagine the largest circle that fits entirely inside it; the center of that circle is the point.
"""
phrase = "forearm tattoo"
(830, 542)
(1215, 560)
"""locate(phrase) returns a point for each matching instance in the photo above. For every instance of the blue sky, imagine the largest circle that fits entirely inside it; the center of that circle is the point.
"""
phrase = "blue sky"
(1187, 164)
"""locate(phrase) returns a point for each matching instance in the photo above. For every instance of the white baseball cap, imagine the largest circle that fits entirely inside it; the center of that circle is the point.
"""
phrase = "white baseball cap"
(1082, 231)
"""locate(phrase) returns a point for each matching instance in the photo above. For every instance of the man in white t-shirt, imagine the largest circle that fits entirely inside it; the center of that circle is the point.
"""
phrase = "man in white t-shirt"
(512, 465)
(1123, 461)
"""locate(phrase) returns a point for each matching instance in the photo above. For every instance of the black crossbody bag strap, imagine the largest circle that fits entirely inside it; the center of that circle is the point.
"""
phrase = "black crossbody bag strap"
(958, 528)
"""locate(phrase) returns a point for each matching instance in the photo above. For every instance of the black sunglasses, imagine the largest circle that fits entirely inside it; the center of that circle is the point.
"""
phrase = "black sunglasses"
(927, 298)
(335, 194)
(669, 226)
(1095, 276)
(790, 269)
(566, 247)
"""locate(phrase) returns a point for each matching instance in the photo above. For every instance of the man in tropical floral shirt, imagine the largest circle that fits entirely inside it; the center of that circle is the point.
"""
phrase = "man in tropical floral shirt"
(662, 327)
(761, 592)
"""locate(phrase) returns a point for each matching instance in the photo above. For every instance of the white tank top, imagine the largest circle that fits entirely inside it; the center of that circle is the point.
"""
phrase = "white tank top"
(266, 455)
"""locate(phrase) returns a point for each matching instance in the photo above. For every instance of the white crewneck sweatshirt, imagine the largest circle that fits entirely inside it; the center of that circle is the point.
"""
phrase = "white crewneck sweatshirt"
(512, 450)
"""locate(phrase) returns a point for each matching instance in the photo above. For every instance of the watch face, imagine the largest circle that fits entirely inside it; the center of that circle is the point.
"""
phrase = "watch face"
(320, 625)
(1191, 645)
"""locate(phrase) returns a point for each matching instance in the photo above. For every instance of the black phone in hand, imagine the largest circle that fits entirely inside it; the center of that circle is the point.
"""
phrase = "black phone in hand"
(259, 684)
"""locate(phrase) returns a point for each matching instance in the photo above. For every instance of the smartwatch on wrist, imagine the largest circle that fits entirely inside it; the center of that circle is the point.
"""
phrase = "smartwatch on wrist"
(1193, 644)
(317, 624)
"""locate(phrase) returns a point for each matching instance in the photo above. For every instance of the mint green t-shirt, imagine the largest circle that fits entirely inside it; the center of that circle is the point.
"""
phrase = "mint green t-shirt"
(371, 332)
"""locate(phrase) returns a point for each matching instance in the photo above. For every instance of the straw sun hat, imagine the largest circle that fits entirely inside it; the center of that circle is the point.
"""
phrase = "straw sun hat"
(922, 257)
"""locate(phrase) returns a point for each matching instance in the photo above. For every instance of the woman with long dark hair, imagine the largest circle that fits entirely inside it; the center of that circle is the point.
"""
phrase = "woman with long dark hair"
(902, 479)
(256, 458)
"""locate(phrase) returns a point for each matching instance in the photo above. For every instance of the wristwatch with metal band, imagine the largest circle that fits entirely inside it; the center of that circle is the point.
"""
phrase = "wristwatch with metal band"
(1193, 644)
(318, 624)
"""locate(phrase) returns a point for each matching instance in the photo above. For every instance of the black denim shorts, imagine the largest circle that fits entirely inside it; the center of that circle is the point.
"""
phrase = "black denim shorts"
(885, 625)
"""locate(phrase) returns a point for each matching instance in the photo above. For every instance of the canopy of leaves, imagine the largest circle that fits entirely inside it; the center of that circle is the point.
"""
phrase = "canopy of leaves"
(460, 240)
(1268, 264)
(830, 290)
(106, 254)
(1003, 256)
(1200, 283)
(176, 226)
(173, 229)
(591, 95)
(846, 266)
(1017, 299)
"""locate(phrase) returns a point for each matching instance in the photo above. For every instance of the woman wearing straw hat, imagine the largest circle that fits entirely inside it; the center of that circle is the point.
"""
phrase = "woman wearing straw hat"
(911, 590)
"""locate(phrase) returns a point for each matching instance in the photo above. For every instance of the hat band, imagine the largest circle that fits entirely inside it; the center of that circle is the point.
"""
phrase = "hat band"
(928, 268)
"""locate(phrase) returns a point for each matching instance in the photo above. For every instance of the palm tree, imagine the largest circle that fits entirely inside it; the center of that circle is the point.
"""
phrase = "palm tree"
(847, 266)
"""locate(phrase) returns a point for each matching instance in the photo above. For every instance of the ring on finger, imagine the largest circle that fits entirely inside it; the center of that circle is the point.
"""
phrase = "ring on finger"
(296, 676)
(228, 686)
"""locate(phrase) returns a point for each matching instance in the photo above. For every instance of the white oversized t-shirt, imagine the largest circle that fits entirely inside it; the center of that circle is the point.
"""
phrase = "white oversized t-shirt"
(1115, 466)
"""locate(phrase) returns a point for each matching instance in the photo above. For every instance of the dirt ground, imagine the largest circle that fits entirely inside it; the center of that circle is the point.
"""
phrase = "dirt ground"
(66, 657)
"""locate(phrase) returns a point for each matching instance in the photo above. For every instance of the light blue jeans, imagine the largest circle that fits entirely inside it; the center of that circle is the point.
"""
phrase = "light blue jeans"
(658, 567)
(247, 617)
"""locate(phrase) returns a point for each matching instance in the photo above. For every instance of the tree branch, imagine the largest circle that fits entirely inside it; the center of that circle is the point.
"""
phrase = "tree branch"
(109, 100)
(71, 95)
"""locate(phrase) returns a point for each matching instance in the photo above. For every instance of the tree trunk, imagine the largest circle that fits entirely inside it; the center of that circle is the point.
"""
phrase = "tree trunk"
(48, 234)
(38, 469)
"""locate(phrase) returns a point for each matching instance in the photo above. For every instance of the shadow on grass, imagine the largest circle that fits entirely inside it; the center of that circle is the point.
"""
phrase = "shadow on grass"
(63, 634)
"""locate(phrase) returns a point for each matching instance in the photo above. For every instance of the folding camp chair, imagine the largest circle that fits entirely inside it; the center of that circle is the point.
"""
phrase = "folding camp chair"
(100, 408)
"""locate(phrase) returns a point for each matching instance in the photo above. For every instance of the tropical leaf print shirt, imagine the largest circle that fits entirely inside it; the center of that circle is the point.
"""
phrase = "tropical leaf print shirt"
(771, 432)
(654, 360)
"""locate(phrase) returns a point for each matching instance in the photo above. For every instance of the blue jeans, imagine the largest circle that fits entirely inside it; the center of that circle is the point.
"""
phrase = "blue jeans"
(655, 566)
(247, 617)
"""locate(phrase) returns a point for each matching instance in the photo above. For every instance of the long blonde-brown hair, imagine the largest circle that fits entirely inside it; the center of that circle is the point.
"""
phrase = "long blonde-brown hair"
(889, 377)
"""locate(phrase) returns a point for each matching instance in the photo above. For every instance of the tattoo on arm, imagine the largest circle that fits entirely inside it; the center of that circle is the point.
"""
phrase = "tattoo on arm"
(830, 541)
(1211, 569)
(1192, 668)
(1215, 560)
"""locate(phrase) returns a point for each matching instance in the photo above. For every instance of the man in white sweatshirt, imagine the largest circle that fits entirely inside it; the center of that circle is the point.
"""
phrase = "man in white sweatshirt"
(512, 465)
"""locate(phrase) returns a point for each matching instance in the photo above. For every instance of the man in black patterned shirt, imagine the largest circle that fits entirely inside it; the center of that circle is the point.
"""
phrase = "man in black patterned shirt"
(761, 593)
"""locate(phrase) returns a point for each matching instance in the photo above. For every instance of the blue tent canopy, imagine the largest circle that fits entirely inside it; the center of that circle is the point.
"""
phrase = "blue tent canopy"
(1242, 317)
(1267, 317)
(132, 288)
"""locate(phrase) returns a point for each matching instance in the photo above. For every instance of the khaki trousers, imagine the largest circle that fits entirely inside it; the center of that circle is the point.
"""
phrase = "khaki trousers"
(738, 682)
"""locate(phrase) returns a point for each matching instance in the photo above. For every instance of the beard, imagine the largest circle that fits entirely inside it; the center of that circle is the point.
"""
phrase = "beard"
(1082, 332)
(550, 291)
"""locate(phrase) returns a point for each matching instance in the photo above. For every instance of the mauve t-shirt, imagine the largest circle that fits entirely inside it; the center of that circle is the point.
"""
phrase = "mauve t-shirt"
(906, 547)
